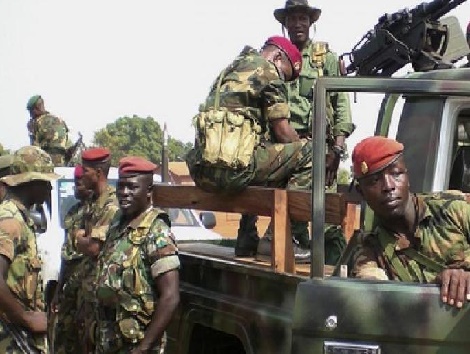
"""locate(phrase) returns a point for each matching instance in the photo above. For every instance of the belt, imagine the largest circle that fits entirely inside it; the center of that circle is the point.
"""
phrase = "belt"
(107, 313)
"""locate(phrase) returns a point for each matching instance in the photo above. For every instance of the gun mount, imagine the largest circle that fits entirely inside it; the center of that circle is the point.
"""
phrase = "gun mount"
(413, 36)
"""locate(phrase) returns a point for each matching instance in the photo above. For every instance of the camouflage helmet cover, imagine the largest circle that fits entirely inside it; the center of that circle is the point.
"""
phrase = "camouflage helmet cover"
(5, 163)
(30, 163)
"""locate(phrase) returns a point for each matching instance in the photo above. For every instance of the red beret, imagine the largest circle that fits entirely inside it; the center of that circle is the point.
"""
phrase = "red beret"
(135, 164)
(78, 172)
(95, 155)
(374, 154)
(290, 50)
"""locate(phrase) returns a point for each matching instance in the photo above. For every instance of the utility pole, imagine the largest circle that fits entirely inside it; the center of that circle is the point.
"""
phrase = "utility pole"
(165, 175)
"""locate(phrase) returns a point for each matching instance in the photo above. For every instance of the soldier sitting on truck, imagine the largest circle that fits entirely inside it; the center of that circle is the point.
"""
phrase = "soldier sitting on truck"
(421, 239)
(243, 136)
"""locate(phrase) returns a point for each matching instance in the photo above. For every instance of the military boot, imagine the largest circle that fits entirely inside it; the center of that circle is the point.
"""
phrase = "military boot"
(247, 237)
(301, 254)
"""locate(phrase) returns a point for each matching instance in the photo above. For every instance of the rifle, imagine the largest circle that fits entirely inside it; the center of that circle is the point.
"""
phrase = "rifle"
(72, 151)
(20, 336)
(407, 36)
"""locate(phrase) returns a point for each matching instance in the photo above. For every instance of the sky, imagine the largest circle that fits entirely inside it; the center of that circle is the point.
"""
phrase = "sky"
(94, 61)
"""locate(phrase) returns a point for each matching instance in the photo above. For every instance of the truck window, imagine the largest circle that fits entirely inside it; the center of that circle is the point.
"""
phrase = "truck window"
(460, 171)
(423, 115)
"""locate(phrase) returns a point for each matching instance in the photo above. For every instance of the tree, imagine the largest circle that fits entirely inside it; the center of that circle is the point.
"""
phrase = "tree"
(140, 137)
(344, 176)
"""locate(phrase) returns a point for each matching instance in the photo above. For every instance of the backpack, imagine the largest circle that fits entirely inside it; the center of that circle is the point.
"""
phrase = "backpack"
(226, 138)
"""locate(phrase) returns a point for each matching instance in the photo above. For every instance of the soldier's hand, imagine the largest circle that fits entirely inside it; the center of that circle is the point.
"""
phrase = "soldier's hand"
(455, 286)
(35, 321)
(332, 164)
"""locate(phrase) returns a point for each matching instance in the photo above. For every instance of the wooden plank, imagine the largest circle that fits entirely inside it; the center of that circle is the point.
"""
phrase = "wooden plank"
(282, 252)
(300, 206)
(251, 199)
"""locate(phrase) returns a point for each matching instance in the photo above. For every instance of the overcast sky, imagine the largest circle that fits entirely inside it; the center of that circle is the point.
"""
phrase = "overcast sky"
(94, 61)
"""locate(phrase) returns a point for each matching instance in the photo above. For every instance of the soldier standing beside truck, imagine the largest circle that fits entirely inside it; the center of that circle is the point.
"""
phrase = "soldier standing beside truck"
(138, 278)
(243, 136)
(64, 303)
(97, 214)
(418, 239)
(23, 321)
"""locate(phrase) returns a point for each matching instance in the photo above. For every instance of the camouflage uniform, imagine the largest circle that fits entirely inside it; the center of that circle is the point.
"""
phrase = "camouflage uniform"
(442, 234)
(66, 339)
(50, 133)
(18, 242)
(252, 86)
(133, 255)
(97, 215)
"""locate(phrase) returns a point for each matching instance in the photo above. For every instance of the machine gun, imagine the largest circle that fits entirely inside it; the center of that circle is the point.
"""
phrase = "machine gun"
(408, 36)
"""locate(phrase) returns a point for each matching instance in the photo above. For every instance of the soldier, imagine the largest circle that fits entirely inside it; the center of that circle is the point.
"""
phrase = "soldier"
(23, 322)
(317, 60)
(64, 302)
(5, 163)
(138, 279)
(97, 214)
(418, 238)
(48, 132)
(247, 115)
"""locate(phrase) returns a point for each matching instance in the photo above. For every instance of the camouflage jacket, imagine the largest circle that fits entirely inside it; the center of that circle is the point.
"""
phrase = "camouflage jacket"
(97, 215)
(133, 255)
(442, 234)
(50, 133)
(252, 85)
(18, 245)
(73, 222)
(301, 94)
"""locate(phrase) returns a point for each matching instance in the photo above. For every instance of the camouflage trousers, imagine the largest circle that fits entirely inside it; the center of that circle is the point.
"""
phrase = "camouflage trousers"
(272, 165)
(9, 346)
(66, 340)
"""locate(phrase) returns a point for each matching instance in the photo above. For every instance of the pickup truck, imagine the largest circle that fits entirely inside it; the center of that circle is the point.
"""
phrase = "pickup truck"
(236, 306)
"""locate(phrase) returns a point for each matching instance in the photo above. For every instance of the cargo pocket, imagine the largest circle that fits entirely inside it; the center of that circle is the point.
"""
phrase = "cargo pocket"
(210, 125)
(130, 330)
(31, 280)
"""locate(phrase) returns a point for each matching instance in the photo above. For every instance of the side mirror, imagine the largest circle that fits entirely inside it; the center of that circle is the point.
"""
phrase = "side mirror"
(38, 216)
(208, 219)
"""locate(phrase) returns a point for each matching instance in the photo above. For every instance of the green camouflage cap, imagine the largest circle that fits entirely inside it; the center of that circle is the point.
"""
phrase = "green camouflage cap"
(5, 163)
(30, 163)
(32, 101)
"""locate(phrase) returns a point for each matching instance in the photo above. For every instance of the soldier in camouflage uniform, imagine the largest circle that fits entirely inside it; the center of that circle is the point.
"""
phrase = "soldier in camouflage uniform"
(317, 60)
(98, 211)
(65, 297)
(21, 294)
(138, 279)
(418, 238)
(48, 132)
(5, 163)
(253, 89)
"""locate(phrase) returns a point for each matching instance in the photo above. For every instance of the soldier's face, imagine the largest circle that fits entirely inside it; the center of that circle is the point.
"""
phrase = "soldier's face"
(298, 26)
(387, 192)
(38, 108)
(134, 194)
(80, 191)
(39, 191)
(90, 177)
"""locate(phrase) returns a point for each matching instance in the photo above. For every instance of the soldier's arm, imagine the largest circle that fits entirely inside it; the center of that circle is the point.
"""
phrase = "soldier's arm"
(10, 232)
(366, 266)
(276, 111)
(164, 270)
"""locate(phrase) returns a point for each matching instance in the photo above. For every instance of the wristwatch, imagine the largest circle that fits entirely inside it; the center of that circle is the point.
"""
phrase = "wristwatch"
(339, 150)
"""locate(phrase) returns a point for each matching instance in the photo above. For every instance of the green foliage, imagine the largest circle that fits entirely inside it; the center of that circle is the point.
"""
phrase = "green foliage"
(140, 137)
(4, 151)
